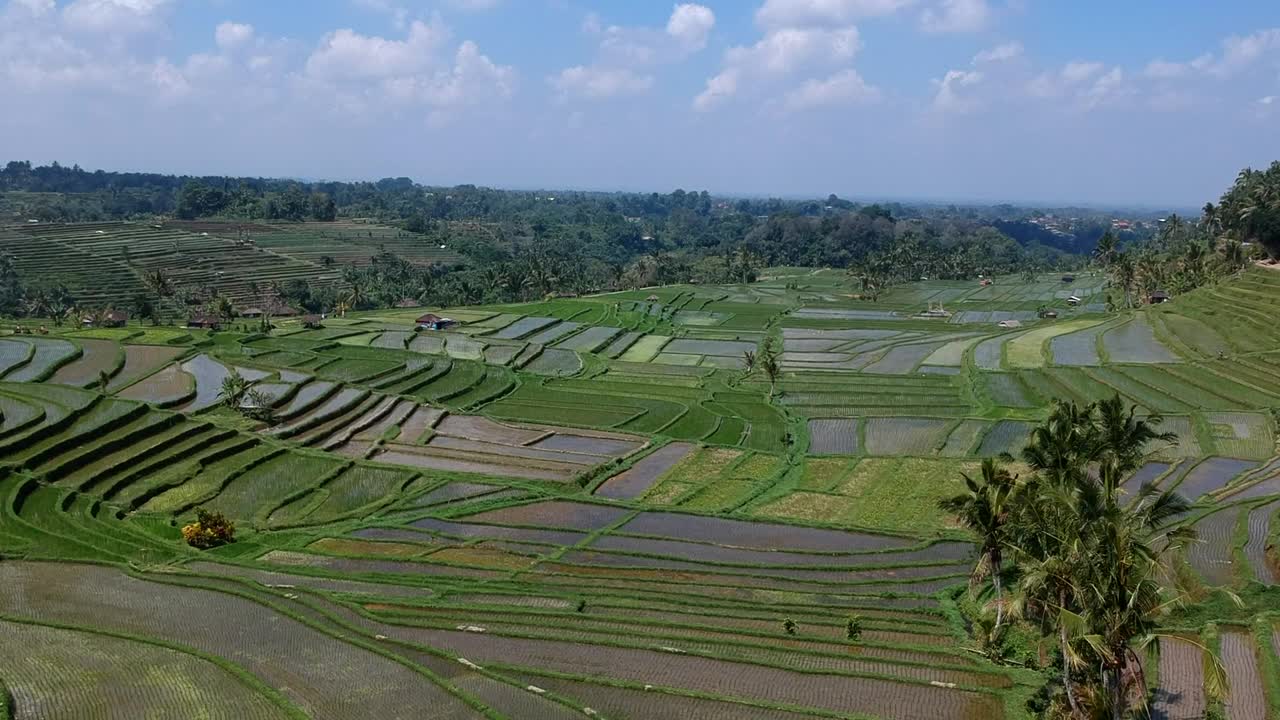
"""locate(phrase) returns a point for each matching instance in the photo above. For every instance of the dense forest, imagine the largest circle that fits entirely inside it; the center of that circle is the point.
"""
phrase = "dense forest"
(539, 242)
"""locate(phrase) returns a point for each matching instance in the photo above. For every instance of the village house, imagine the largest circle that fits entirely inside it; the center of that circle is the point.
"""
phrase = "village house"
(204, 320)
(431, 321)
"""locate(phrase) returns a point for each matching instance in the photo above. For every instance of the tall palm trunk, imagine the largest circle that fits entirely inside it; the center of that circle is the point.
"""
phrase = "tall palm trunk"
(995, 582)
(1066, 663)
(1116, 675)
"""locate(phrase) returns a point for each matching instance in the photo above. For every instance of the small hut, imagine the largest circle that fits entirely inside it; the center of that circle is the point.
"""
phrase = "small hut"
(431, 321)
(1158, 297)
(312, 322)
(408, 303)
(204, 320)
(115, 319)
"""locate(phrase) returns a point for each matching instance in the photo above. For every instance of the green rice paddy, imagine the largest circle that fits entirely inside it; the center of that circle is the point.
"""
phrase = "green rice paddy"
(585, 506)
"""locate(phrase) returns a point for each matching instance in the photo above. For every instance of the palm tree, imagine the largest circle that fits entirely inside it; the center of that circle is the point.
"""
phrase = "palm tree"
(1088, 561)
(1210, 218)
(1124, 272)
(1105, 252)
(223, 308)
(769, 362)
(232, 391)
(356, 295)
(983, 509)
(159, 282)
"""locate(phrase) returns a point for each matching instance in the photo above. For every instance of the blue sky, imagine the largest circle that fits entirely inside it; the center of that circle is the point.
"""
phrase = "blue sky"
(1135, 102)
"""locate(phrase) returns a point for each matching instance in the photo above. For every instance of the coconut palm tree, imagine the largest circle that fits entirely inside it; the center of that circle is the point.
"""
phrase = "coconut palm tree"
(1105, 251)
(1088, 559)
(983, 508)
(232, 390)
(769, 361)
(1123, 275)
(159, 282)
(357, 294)
(224, 308)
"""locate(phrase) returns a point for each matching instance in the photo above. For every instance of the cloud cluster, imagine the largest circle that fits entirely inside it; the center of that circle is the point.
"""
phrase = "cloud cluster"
(800, 37)
(627, 56)
(111, 47)
(956, 16)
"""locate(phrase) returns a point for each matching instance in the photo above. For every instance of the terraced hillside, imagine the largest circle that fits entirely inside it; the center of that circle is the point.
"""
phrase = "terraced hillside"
(587, 507)
(104, 263)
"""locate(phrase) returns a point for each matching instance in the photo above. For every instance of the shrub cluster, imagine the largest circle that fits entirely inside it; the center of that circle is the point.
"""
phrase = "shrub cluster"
(210, 530)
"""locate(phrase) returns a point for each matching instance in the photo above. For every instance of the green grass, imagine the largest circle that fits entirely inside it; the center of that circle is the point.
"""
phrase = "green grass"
(1027, 350)
(882, 493)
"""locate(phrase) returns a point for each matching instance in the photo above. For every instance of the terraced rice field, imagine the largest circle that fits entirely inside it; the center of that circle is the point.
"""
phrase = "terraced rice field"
(585, 507)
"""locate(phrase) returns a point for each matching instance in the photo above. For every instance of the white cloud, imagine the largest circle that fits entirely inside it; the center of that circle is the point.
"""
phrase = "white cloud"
(347, 55)
(399, 15)
(1239, 52)
(1268, 100)
(843, 88)
(719, 89)
(1107, 87)
(823, 13)
(999, 53)
(1078, 71)
(949, 98)
(229, 35)
(475, 5)
(361, 75)
(115, 16)
(690, 24)
(786, 50)
(35, 7)
(685, 33)
(777, 54)
(1162, 69)
(625, 53)
(1085, 83)
(956, 16)
(597, 83)
(474, 78)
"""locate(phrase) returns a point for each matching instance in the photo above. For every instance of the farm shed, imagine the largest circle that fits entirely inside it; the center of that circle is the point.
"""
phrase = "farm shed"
(407, 303)
(204, 320)
(312, 322)
(431, 321)
(115, 319)
(1159, 297)
(1010, 323)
